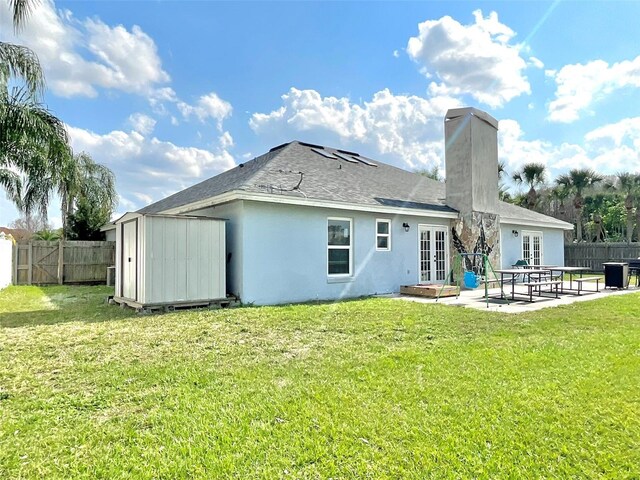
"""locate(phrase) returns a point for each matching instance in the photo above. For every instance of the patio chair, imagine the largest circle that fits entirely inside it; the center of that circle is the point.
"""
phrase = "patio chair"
(519, 264)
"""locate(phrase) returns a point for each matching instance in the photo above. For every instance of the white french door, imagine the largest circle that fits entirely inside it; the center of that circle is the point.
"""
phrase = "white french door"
(532, 247)
(433, 248)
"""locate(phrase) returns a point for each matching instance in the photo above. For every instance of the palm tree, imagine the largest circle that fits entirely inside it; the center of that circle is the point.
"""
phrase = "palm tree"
(627, 184)
(20, 10)
(532, 174)
(576, 181)
(47, 235)
(560, 193)
(503, 191)
(33, 142)
(84, 179)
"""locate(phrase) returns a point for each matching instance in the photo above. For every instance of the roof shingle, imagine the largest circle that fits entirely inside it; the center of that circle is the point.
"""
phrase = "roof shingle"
(296, 170)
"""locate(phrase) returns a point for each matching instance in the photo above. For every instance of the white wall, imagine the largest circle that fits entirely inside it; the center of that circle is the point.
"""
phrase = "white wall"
(511, 246)
(285, 254)
(6, 264)
(233, 213)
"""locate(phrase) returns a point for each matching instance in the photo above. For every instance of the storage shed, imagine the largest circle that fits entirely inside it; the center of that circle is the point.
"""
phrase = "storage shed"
(169, 260)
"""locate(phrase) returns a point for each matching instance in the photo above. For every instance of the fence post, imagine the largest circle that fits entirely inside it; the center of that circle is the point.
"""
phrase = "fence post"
(60, 262)
(30, 263)
(14, 280)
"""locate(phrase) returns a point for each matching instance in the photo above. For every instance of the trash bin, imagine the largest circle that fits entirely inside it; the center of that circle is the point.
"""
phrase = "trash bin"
(616, 274)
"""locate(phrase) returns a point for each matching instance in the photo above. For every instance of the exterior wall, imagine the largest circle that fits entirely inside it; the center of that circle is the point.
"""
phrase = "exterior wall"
(552, 244)
(183, 259)
(6, 263)
(110, 235)
(233, 213)
(285, 254)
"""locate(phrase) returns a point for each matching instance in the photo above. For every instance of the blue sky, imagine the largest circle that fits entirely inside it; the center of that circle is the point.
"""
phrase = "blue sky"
(169, 93)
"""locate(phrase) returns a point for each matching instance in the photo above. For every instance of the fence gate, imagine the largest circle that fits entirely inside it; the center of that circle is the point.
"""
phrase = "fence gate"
(40, 262)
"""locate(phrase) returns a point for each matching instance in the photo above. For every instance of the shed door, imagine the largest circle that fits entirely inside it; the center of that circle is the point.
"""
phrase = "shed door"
(129, 259)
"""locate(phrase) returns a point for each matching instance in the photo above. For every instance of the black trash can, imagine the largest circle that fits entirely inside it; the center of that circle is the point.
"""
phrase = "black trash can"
(616, 275)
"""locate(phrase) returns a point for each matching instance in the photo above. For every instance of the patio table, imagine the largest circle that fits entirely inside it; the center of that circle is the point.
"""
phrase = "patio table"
(571, 271)
(513, 273)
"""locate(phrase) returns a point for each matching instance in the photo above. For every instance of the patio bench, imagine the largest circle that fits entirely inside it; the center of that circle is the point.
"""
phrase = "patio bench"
(536, 285)
(579, 281)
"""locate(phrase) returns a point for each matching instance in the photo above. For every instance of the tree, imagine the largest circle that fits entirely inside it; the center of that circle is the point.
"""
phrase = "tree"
(33, 142)
(559, 194)
(47, 235)
(433, 173)
(84, 180)
(503, 191)
(20, 10)
(532, 175)
(576, 181)
(25, 226)
(627, 184)
(85, 222)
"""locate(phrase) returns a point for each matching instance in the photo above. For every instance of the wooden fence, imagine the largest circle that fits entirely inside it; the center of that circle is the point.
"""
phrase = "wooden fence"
(40, 262)
(593, 255)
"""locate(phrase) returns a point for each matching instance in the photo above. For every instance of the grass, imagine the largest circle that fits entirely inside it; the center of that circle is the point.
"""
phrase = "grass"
(374, 388)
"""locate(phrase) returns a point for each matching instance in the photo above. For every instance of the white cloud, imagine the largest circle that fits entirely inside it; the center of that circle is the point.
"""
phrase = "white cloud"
(476, 59)
(536, 62)
(207, 106)
(396, 53)
(579, 86)
(148, 168)
(226, 140)
(407, 129)
(608, 149)
(79, 56)
(142, 123)
(616, 146)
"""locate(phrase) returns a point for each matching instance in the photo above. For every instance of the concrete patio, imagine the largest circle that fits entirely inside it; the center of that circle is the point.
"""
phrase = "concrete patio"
(475, 299)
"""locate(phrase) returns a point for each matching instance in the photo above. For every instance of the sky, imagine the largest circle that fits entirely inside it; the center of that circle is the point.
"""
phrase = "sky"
(169, 93)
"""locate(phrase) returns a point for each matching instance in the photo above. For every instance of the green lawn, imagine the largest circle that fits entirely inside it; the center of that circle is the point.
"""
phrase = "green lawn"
(374, 388)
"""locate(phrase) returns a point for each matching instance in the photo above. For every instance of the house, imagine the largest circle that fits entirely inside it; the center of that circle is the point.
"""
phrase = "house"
(307, 222)
(18, 234)
(109, 230)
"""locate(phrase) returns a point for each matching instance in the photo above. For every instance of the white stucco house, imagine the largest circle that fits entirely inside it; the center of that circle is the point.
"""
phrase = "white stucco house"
(307, 222)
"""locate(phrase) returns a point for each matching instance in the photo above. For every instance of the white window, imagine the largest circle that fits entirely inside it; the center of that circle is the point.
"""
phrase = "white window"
(339, 243)
(383, 234)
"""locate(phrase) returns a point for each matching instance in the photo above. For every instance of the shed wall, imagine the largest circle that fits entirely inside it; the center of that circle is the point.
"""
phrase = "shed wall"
(183, 260)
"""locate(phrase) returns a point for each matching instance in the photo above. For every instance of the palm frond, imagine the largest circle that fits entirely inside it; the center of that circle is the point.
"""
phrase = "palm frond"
(21, 10)
(21, 63)
(11, 182)
(25, 124)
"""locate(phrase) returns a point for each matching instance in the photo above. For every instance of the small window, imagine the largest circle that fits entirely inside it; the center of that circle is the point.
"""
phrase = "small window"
(339, 235)
(383, 234)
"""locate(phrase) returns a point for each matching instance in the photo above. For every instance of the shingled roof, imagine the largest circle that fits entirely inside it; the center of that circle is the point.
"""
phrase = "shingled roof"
(303, 170)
